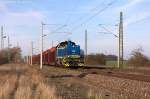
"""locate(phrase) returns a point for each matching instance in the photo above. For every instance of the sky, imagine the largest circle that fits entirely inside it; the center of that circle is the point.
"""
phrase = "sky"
(68, 20)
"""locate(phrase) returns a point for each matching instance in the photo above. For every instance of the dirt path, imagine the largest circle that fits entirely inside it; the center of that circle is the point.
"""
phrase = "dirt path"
(12, 73)
(12, 94)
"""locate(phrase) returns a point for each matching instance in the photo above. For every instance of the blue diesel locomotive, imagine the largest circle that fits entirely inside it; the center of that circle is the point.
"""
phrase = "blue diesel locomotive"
(69, 54)
(66, 54)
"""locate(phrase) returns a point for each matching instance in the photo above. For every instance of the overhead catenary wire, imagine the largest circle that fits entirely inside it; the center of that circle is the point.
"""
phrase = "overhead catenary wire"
(69, 17)
(147, 18)
(97, 13)
(100, 11)
(59, 28)
(110, 32)
(83, 16)
(98, 5)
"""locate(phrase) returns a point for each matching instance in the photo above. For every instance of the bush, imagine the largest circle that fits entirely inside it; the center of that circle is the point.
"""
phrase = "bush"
(3, 57)
(96, 59)
(10, 55)
(3, 60)
(138, 58)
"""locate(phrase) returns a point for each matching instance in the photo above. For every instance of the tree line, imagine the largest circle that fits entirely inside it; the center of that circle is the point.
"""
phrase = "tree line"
(10, 55)
(136, 59)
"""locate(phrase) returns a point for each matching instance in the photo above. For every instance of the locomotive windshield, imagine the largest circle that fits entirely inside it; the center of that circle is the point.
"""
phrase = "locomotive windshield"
(65, 43)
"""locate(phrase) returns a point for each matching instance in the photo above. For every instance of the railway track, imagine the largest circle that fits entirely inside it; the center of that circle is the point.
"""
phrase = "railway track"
(145, 78)
(105, 78)
(107, 71)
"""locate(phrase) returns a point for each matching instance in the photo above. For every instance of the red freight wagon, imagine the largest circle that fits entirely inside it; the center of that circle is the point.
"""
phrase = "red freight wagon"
(49, 57)
(52, 56)
(45, 56)
(36, 59)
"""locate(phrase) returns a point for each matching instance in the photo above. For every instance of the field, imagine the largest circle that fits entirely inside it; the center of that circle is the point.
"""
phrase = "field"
(114, 63)
(19, 81)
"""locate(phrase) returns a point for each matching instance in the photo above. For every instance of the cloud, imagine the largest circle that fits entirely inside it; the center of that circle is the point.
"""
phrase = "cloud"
(20, 26)
(3, 7)
(17, 20)
(34, 14)
(136, 15)
(13, 19)
(130, 5)
(137, 18)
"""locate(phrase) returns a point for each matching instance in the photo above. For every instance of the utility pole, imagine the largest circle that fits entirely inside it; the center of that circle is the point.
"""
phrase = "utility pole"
(41, 41)
(8, 42)
(120, 41)
(118, 58)
(8, 49)
(17, 44)
(120, 54)
(52, 43)
(41, 58)
(2, 37)
(28, 54)
(27, 59)
(85, 57)
(31, 53)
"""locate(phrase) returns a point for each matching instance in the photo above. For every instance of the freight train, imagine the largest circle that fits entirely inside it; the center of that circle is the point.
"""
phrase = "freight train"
(66, 54)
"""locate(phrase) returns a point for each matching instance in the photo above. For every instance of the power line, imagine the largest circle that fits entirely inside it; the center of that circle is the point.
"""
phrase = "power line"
(75, 5)
(147, 18)
(108, 31)
(98, 5)
(82, 17)
(59, 28)
(100, 11)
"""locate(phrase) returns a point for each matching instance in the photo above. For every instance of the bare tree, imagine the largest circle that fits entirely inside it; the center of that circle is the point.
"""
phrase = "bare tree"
(138, 58)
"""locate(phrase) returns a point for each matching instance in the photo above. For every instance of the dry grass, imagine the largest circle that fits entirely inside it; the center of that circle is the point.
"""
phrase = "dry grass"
(94, 94)
(7, 84)
(45, 92)
(23, 93)
(16, 84)
(30, 83)
(32, 86)
(24, 90)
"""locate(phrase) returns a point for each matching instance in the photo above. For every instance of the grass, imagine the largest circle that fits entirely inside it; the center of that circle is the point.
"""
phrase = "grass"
(28, 85)
(114, 63)
(7, 85)
(94, 95)
(24, 82)
(111, 63)
(68, 89)
(23, 92)
(45, 92)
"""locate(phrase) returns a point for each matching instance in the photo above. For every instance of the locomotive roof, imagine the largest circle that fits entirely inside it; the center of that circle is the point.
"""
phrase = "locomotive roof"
(65, 43)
